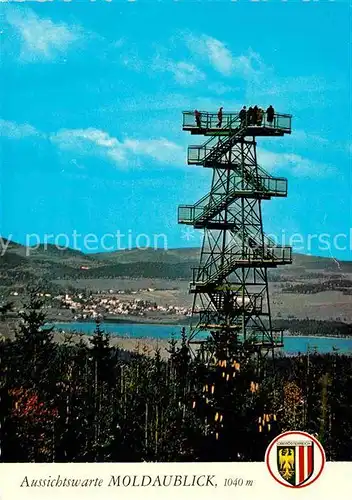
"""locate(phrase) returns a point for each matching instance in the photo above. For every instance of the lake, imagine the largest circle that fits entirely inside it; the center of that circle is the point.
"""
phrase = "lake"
(164, 332)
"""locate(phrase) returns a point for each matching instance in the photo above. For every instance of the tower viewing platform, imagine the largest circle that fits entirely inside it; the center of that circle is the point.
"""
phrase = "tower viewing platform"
(231, 123)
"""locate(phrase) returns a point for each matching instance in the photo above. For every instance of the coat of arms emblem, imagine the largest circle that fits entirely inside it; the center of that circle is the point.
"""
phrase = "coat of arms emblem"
(295, 459)
(295, 463)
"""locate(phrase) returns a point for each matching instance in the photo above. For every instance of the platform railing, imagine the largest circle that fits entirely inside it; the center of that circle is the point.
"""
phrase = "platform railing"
(255, 336)
(250, 301)
(208, 148)
(213, 150)
(209, 120)
(189, 214)
(254, 305)
(265, 339)
(246, 235)
(246, 176)
(231, 120)
(197, 154)
(221, 267)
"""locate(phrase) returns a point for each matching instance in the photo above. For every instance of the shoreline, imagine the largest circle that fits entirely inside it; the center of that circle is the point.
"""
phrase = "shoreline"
(123, 322)
(131, 322)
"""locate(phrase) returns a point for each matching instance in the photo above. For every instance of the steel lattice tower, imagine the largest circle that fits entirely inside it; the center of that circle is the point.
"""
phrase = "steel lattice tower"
(230, 286)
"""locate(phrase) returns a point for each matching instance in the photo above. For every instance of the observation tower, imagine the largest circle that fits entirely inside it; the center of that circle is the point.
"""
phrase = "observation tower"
(231, 315)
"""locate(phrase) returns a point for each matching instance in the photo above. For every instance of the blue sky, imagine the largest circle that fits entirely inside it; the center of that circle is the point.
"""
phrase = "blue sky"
(92, 100)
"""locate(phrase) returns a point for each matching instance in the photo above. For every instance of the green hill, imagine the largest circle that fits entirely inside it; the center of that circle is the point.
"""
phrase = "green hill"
(172, 256)
(49, 253)
(19, 263)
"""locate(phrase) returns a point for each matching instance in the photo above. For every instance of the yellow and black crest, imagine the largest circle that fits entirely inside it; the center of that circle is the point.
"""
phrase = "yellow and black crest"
(286, 462)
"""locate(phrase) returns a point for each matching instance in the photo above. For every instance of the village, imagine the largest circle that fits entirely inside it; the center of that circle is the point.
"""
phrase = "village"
(102, 305)
(85, 306)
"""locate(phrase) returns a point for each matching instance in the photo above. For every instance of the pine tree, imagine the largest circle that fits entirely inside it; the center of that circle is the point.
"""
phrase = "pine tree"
(102, 360)
(31, 382)
(171, 349)
(101, 353)
(182, 362)
(34, 346)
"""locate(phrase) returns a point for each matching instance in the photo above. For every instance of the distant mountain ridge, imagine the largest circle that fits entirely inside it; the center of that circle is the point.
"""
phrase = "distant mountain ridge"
(53, 263)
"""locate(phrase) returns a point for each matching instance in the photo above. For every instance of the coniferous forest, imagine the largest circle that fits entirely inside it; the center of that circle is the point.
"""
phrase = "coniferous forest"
(82, 402)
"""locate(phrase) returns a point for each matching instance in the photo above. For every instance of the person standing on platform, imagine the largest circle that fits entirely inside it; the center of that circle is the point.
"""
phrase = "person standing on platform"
(250, 116)
(220, 117)
(270, 113)
(243, 116)
(260, 117)
(198, 117)
(255, 115)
